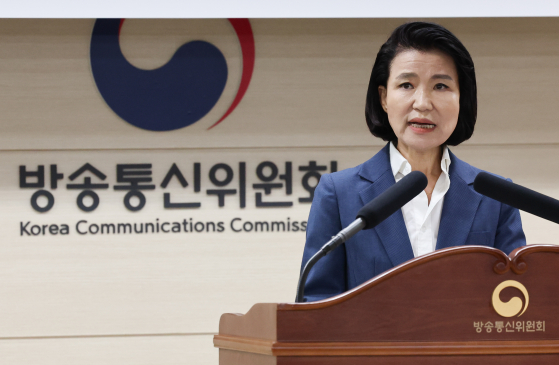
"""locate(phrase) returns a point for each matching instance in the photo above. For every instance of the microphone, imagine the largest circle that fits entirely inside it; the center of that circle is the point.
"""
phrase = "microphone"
(382, 207)
(373, 213)
(517, 196)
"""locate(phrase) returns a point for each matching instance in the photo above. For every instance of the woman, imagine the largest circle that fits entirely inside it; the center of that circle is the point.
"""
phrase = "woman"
(421, 98)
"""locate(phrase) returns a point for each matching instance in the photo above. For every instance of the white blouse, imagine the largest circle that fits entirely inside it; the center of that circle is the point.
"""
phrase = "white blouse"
(422, 218)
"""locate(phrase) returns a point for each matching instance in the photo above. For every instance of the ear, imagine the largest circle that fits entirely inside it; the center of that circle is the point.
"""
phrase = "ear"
(382, 95)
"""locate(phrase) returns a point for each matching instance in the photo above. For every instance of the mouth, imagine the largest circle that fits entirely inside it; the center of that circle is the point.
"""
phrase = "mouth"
(421, 123)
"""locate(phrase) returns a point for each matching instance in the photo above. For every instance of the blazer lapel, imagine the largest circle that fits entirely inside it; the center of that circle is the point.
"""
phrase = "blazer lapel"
(459, 207)
(392, 231)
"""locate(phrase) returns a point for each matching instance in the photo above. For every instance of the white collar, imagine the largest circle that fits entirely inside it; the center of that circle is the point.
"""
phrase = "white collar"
(399, 164)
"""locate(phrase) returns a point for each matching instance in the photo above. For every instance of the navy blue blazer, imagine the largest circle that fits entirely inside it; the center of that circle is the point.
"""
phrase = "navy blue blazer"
(467, 218)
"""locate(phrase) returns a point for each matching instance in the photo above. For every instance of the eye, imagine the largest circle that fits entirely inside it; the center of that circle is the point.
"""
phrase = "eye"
(441, 86)
(406, 85)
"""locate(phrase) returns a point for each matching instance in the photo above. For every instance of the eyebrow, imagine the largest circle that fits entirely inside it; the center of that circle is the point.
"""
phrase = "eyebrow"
(407, 75)
(442, 76)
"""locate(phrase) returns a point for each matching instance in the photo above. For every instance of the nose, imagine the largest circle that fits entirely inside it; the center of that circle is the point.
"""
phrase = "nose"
(422, 100)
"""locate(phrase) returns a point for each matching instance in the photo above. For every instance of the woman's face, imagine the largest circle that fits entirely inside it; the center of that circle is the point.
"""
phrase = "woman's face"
(422, 99)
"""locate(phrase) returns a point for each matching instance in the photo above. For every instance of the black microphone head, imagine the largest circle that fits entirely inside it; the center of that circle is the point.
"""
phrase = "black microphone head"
(392, 199)
(517, 196)
(489, 185)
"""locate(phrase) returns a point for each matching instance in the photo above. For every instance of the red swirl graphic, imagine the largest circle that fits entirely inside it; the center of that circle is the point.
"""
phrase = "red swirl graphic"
(246, 38)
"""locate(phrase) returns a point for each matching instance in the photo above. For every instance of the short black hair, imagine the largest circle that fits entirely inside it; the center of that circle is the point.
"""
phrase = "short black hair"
(423, 37)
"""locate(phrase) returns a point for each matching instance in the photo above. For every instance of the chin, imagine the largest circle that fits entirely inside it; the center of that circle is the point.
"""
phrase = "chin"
(422, 145)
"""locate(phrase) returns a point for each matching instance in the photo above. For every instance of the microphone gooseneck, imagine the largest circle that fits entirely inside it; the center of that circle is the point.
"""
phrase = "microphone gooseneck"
(373, 213)
(517, 196)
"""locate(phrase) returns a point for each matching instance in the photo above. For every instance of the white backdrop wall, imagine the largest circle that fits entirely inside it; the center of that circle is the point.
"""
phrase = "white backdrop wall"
(96, 296)
(278, 9)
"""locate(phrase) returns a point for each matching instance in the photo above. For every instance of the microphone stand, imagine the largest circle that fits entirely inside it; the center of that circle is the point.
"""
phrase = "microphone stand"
(369, 216)
(337, 240)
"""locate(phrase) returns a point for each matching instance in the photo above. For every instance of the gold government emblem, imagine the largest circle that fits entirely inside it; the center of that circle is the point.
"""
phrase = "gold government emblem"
(514, 306)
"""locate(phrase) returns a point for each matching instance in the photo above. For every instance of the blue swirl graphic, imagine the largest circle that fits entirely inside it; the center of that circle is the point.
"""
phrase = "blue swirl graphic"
(173, 96)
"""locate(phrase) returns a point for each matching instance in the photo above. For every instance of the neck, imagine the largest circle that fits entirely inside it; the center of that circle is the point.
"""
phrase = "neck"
(428, 162)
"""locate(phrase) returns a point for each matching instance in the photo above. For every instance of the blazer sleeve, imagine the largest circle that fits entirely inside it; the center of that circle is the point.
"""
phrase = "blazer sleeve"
(509, 235)
(328, 277)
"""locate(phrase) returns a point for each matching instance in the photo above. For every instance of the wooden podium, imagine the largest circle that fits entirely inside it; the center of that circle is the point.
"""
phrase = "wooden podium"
(462, 305)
